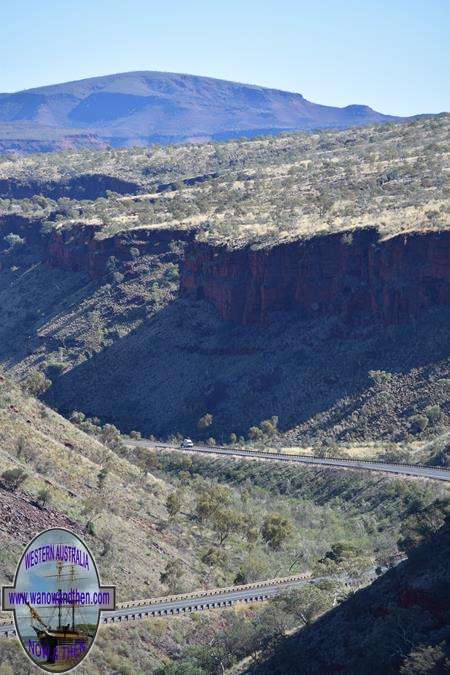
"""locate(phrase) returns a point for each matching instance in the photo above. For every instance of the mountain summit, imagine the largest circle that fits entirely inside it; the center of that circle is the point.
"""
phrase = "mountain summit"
(145, 107)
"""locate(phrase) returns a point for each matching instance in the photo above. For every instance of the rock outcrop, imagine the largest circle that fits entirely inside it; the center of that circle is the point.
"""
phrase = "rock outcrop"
(13, 139)
(353, 273)
(86, 186)
(81, 249)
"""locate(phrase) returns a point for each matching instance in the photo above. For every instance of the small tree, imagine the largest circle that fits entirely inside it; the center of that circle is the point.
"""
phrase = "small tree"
(269, 427)
(254, 433)
(305, 603)
(36, 383)
(173, 504)
(77, 417)
(426, 659)
(275, 530)
(172, 574)
(184, 477)
(213, 557)
(225, 521)
(101, 477)
(434, 413)
(111, 437)
(205, 421)
(13, 478)
(423, 525)
(418, 423)
(210, 500)
(44, 497)
(14, 240)
(340, 552)
(21, 446)
(252, 534)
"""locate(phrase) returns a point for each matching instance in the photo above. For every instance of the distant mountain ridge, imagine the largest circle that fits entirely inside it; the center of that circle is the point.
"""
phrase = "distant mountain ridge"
(143, 107)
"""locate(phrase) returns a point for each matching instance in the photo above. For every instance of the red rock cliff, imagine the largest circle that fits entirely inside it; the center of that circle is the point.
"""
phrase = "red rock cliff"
(352, 274)
(79, 249)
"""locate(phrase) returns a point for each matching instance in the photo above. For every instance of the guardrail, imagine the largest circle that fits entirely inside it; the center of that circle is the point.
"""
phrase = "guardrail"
(169, 605)
(217, 591)
(199, 600)
(313, 459)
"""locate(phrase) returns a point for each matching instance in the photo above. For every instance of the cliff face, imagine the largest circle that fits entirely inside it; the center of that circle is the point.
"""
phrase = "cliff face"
(350, 274)
(11, 141)
(79, 249)
(88, 186)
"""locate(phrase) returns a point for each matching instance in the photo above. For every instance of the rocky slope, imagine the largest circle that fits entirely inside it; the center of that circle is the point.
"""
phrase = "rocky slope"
(139, 108)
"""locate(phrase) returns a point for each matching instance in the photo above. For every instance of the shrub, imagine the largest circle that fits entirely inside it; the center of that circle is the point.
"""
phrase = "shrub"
(205, 421)
(101, 478)
(13, 478)
(275, 530)
(14, 240)
(44, 497)
(434, 413)
(172, 574)
(418, 423)
(77, 417)
(36, 383)
(380, 376)
(173, 504)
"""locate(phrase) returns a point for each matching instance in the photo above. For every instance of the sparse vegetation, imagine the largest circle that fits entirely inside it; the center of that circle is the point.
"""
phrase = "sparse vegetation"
(12, 478)
(121, 341)
(265, 190)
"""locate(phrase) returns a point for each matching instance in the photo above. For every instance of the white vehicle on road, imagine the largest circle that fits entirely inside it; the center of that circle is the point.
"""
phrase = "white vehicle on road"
(187, 443)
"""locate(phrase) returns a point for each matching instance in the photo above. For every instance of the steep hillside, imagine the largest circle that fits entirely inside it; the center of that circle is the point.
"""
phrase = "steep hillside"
(145, 107)
(400, 624)
(121, 521)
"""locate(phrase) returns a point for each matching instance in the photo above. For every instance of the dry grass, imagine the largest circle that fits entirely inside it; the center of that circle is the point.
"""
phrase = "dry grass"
(127, 513)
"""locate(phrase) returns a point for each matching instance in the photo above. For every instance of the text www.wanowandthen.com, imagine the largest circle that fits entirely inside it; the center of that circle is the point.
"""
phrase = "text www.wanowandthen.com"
(55, 598)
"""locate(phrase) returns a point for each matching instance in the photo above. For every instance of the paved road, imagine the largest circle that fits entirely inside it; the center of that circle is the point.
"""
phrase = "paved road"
(433, 473)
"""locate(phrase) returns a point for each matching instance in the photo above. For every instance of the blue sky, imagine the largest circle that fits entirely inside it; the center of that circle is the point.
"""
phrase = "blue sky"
(393, 55)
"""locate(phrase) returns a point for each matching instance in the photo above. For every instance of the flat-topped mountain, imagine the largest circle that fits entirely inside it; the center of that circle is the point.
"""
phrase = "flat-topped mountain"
(144, 107)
